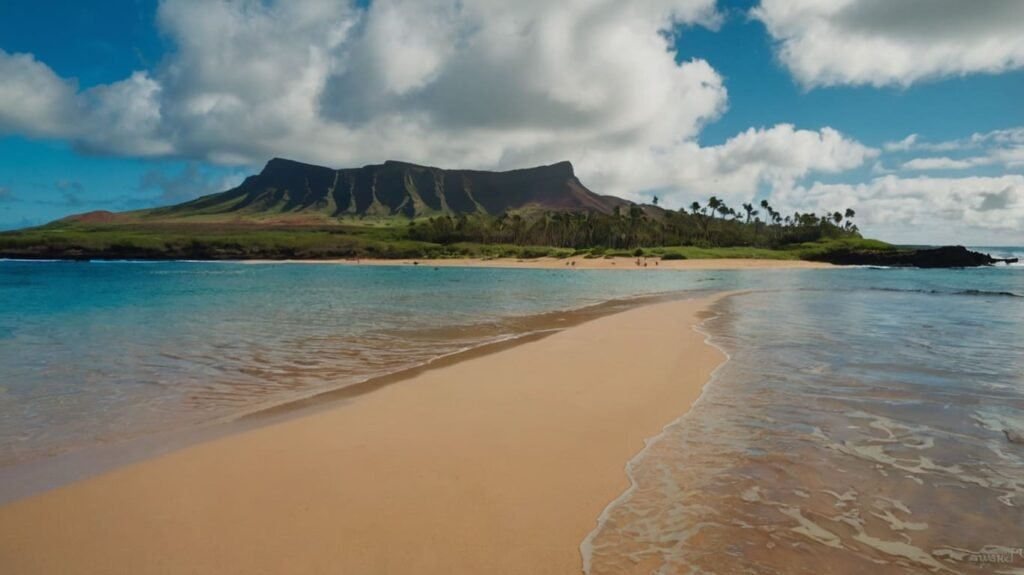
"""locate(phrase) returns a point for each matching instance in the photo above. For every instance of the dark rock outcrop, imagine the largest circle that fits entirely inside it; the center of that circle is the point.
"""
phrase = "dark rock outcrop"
(944, 257)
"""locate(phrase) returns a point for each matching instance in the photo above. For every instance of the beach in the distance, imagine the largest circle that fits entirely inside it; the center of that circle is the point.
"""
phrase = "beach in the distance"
(543, 431)
(579, 262)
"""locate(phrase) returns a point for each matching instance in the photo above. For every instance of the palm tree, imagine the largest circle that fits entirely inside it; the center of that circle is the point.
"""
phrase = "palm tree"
(700, 213)
(771, 220)
(518, 227)
(714, 204)
(636, 215)
(850, 227)
(749, 208)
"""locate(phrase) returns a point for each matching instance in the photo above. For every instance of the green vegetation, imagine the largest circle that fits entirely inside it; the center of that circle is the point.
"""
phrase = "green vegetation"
(70, 240)
(668, 257)
(713, 225)
(711, 231)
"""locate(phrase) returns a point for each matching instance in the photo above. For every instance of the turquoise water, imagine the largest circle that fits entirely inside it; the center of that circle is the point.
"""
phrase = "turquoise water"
(862, 423)
(862, 426)
(92, 353)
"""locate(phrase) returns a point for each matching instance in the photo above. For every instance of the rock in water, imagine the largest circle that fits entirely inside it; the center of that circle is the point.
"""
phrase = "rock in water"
(944, 257)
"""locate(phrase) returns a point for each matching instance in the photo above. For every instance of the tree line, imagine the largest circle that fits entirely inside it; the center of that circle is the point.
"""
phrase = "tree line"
(713, 224)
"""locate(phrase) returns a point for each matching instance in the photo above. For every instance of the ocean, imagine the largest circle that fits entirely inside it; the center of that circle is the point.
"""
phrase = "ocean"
(96, 353)
(1003, 252)
(861, 424)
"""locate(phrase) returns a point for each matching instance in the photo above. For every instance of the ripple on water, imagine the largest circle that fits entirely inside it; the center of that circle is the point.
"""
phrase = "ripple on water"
(880, 448)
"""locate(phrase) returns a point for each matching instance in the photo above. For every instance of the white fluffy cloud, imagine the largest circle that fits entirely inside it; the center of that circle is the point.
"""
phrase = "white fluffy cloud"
(903, 145)
(924, 209)
(124, 118)
(1012, 137)
(776, 157)
(927, 199)
(120, 118)
(476, 83)
(942, 163)
(893, 42)
(33, 100)
(472, 83)
(1012, 157)
(999, 148)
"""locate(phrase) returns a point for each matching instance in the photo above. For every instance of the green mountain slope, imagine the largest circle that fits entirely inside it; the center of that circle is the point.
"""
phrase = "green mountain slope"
(289, 191)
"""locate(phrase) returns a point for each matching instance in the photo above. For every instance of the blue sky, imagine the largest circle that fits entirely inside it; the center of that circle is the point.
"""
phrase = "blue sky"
(763, 93)
(132, 103)
(95, 44)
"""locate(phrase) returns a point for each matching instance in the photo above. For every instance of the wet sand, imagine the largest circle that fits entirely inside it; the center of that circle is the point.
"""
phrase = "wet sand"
(496, 464)
(579, 262)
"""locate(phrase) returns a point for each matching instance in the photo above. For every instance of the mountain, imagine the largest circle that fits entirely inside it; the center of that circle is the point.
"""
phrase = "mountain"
(295, 192)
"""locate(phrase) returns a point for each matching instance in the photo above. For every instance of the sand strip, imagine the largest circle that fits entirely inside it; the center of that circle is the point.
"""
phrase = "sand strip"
(579, 262)
(497, 464)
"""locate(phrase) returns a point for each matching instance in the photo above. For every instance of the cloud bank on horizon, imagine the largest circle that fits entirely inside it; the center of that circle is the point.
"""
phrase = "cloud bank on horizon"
(493, 85)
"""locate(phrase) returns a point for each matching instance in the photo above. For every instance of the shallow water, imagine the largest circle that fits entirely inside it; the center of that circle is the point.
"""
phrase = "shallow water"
(860, 428)
(94, 353)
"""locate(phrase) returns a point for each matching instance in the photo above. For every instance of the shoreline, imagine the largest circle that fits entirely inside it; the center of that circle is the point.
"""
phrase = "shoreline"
(38, 475)
(573, 263)
(543, 427)
(586, 546)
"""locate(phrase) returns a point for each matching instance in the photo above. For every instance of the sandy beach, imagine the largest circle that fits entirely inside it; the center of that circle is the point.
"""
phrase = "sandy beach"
(496, 464)
(579, 262)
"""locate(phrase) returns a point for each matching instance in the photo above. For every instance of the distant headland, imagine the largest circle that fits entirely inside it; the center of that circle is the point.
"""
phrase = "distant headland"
(292, 210)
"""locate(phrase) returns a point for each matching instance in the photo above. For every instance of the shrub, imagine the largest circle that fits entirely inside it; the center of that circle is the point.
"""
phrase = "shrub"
(532, 252)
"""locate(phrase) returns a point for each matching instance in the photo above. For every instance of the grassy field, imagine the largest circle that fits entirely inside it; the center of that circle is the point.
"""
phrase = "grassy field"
(71, 240)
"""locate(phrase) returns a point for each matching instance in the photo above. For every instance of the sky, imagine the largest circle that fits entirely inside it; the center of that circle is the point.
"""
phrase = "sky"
(909, 112)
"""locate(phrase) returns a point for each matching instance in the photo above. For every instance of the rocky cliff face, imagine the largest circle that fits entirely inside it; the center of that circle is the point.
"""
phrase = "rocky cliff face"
(396, 189)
